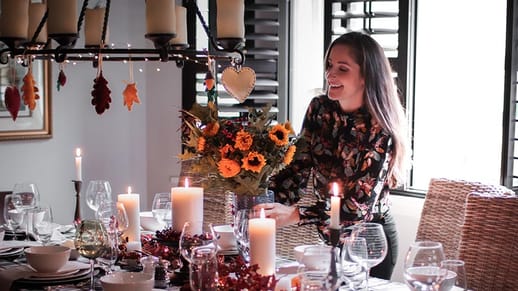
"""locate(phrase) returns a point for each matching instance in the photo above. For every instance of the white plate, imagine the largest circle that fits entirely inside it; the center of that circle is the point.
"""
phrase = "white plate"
(54, 275)
(11, 252)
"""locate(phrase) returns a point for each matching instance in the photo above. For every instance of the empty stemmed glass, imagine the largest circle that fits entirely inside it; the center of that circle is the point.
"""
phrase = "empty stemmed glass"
(422, 266)
(455, 276)
(43, 223)
(195, 235)
(161, 208)
(354, 252)
(25, 196)
(91, 241)
(115, 219)
(13, 217)
(97, 192)
(376, 243)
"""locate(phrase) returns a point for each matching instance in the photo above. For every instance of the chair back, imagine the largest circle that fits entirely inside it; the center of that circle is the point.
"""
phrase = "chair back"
(443, 211)
(489, 242)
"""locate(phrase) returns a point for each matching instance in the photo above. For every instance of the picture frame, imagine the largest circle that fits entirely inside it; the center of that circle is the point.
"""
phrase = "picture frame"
(36, 124)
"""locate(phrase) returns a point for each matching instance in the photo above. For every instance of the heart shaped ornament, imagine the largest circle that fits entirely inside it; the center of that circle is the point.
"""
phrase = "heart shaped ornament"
(238, 83)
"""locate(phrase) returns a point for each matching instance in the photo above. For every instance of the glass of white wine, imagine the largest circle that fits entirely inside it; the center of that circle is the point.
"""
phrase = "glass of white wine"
(91, 242)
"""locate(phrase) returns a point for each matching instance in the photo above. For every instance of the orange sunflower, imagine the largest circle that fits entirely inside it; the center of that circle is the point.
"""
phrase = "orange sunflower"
(201, 144)
(211, 129)
(254, 162)
(289, 155)
(244, 140)
(228, 168)
(225, 151)
(279, 135)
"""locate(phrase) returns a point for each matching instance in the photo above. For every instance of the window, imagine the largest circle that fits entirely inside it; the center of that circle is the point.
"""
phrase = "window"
(451, 76)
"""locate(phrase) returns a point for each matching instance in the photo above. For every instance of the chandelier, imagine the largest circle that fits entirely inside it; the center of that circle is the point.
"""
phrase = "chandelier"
(26, 31)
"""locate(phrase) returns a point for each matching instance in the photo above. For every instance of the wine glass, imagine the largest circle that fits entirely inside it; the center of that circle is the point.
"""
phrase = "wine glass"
(422, 266)
(203, 269)
(456, 275)
(354, 251)
(91, 240)
(161, 207)
(195, 235)
(115, 219)
(12, 216)
(43, 223)
(376, 243)
(25, 196)
(315, 270)
(97, 192)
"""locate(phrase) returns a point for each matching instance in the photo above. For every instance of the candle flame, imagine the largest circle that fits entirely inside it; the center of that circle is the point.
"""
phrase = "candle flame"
(335, 189)
(262, 215)
(78, 152)
(186, 183)
(129, 189)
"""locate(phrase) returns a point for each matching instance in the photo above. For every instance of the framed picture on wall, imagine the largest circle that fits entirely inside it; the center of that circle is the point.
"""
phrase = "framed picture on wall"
(29, 124)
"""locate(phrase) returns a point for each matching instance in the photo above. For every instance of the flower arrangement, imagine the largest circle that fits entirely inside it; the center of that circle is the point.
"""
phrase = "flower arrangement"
(237, 154)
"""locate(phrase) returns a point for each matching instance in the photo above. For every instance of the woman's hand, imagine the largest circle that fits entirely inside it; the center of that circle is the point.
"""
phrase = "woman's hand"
(284, 215)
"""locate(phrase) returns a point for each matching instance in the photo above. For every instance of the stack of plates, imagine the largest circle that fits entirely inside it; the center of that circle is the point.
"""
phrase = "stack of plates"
(72, 272)
(10, 253)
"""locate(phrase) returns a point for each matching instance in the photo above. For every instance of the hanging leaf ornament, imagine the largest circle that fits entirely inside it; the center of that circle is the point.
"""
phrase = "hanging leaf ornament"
(101, 93)
(62, 79)
(130, 95)
(210, 82)
(29, 90)
(12, 101)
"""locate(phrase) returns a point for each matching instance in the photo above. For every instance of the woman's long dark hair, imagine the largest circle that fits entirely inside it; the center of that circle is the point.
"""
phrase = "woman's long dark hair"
(381, 97)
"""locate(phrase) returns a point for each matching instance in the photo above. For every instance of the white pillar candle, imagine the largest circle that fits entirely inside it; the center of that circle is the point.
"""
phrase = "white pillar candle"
(187, 205)
(335, 208)
(261, 232)
(181, 26)
(131, 202)
(160, 16)
(62, 17)
(94, 22)
(36, 13)
(79, 174)
(230, 18)
(14, 18)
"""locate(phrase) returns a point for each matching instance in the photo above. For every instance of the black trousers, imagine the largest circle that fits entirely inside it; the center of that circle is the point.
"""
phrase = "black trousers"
(385, 269)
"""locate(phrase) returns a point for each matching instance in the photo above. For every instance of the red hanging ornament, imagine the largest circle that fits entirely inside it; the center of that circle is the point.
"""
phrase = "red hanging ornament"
(12, 101)
(101, 94)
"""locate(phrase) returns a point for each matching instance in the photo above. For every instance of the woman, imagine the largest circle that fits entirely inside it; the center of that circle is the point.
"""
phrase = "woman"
(353, 135)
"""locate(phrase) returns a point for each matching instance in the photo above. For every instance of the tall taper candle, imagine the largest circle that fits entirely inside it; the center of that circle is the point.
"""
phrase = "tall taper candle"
(79, 174)
(335, 208)
(261, 232)
(131, 202)
(187, 205)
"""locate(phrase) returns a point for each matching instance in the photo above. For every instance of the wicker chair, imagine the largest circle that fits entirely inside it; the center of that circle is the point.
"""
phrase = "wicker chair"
(443, 211)
(489, 242)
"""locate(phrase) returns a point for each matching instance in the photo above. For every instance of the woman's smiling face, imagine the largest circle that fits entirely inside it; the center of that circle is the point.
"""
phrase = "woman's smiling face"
(344, 79)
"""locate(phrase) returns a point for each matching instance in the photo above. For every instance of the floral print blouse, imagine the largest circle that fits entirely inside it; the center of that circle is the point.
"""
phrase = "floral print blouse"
(335, 146)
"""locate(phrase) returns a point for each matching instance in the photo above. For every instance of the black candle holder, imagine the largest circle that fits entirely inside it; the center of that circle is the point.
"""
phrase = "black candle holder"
(77, 211)
(332, 278)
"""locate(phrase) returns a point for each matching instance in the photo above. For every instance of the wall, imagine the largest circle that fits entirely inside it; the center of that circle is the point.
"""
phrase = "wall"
(134, 148)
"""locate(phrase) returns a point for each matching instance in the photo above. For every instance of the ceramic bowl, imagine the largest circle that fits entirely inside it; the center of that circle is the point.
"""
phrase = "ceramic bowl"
(125, 281)
(47, 259)
(149, 222)
(226, 238)
(298, 252)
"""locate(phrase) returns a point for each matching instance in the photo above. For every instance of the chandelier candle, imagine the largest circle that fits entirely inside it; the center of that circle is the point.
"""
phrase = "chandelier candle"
(160, 17)
(230, 18)
(94, 21)
(262, 243)
(62, 17)
(187, 205)
(36, 12)
(14, 18)
(131, 202)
